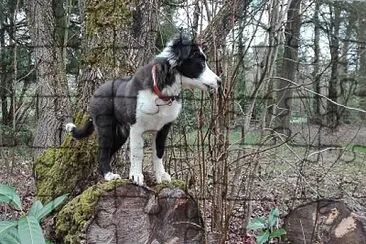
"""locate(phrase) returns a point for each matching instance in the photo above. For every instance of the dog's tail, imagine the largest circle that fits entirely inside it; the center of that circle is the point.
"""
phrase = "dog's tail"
(79, 133)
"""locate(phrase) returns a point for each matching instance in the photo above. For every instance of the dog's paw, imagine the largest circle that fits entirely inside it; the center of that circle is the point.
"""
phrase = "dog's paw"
(137, 179)
(110, 176)
(69, 127)
(162, 177)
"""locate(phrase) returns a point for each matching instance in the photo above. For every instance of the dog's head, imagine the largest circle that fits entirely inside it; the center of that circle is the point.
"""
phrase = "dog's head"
(188, 59)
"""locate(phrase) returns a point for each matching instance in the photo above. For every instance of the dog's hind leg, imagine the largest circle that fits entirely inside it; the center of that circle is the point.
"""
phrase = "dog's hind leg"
(106, 129)
(120, 138)
(158, 152)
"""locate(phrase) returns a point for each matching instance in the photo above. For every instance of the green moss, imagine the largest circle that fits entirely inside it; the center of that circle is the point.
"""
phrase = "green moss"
(104, 21)
(74, 216)
(174, 183)
(60, 170)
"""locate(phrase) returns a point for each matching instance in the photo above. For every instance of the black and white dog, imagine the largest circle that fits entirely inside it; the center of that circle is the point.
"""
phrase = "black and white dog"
(147, 102)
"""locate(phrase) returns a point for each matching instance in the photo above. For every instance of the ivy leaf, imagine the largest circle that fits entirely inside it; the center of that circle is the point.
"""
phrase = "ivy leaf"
(263, 237)
(278, 233)
(256, 224)
(273, 216)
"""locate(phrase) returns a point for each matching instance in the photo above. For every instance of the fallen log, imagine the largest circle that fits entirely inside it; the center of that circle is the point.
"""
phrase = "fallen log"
(326, 222)
(121, 212)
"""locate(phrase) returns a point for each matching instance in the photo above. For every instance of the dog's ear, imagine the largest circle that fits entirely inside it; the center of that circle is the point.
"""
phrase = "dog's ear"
(163, 74)
(182, 47)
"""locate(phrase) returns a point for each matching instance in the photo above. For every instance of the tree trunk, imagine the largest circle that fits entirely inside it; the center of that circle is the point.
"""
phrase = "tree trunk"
(316, 118)
(269, 60)
(52, 101)
(116, 44)
(324, 221)
(362, 61)
(117, 212)
(346, 78)
(332, 114)
(289, 68)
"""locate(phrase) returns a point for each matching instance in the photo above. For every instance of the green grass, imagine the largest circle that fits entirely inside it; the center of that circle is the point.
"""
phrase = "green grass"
(298, 120)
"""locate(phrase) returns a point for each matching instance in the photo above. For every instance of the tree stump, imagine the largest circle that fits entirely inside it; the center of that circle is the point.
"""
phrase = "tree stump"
(326, 222)
(70, 168)
(121, 212)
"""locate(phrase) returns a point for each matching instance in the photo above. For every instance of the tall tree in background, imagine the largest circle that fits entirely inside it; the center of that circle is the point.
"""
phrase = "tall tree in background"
(315, 74)
(361, 36)
(52, 100)
(346, 76)
(15, 68)
(332, 114)
(289, 68)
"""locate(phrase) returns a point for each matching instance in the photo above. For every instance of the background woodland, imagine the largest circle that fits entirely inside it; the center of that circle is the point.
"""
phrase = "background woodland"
(287, 126)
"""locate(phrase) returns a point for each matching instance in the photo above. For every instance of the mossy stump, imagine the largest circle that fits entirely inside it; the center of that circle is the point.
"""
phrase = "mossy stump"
(121, 212)
(70, 168)
(324, 221)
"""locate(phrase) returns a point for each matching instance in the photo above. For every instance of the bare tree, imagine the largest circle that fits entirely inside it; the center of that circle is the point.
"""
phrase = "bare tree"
(362, 60)
(289, 67)
(315, 73)
(332, 114)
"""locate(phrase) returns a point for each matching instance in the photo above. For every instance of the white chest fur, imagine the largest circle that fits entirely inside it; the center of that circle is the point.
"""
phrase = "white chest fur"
(153, 113)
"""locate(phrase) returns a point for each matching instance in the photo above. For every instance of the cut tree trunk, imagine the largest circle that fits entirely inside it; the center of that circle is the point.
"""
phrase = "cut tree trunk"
(324, 221)
(121, 212)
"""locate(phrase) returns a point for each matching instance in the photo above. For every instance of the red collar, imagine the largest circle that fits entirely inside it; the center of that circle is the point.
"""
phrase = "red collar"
(156, 88)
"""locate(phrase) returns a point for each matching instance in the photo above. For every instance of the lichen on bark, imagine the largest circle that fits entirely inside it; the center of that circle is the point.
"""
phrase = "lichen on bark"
(106, 25)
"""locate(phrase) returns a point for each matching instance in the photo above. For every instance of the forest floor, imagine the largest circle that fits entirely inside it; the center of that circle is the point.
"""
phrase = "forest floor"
(333, 168)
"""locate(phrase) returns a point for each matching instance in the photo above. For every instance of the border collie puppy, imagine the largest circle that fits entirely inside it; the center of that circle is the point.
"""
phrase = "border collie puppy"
(146, 102)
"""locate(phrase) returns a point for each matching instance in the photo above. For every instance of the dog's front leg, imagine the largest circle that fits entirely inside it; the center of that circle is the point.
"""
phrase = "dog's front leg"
(137, 154)
(158, 152)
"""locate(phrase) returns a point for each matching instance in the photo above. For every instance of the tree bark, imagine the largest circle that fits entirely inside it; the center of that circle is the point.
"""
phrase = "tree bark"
(332, 114)
(362, 61)
(289, 68)
(52, 101)
(315, 74)
(117, 212)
